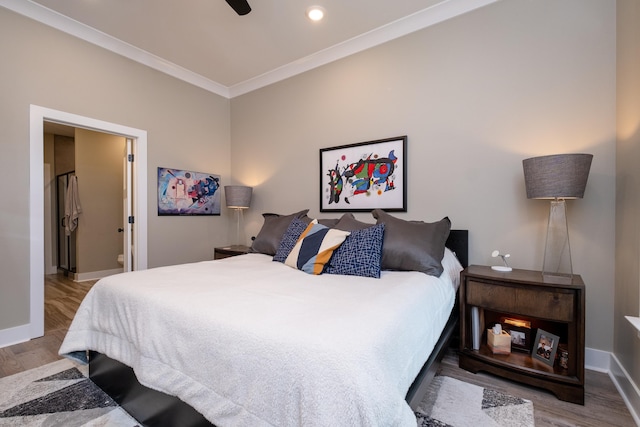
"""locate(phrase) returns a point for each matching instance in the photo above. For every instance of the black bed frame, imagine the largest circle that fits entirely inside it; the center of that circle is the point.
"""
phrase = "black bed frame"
(153, 408)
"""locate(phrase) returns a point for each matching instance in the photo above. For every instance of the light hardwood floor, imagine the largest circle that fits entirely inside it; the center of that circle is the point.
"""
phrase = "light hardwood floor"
(603, 405)
(62, 297)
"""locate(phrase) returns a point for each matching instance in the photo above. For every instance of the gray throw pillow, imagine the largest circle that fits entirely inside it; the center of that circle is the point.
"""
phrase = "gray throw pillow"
(413, 245)
(274, 227)
(328, 222)
(348, 222)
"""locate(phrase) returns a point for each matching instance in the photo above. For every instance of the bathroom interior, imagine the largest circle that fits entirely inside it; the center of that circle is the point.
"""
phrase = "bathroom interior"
(95, 248)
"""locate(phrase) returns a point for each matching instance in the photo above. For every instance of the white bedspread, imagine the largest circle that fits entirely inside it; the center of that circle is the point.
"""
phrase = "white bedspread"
(251, 342)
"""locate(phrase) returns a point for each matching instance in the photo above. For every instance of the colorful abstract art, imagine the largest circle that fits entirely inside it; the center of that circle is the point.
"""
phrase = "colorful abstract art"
(364, 176)
(183, 192)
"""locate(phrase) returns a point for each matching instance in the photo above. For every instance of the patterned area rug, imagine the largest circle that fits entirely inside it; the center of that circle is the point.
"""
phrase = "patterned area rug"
(450, 402)
(57, 394)
(60, 394)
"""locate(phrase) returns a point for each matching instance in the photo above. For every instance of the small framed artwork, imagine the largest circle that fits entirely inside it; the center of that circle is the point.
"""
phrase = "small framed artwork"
(364, 176)
(520, 331)
(182, 192)
(545, 346)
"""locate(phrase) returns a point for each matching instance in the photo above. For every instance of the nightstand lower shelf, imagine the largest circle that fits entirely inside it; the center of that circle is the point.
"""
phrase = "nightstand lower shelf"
(523, 368)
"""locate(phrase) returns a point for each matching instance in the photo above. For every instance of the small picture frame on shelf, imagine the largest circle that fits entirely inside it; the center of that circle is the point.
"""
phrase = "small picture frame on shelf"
(520, 331)
(563, 357)
(545, 346)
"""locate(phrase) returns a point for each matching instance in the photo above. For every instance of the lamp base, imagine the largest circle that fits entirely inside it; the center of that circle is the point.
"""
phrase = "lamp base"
(501, 268)
(557, 251)
(557, 279)
(238, 238)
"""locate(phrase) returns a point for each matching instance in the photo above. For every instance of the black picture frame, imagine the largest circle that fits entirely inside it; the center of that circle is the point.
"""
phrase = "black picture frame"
(545, 346)
(520, 331)
(364, 176)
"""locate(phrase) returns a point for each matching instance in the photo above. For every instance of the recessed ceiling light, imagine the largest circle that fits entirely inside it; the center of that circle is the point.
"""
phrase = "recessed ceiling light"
(315, 13)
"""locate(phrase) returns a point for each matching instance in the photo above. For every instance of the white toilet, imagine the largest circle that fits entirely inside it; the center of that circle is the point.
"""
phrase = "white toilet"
(121, 257)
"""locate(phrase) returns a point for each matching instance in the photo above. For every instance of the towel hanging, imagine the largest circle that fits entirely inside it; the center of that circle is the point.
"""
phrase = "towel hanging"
(72, 207)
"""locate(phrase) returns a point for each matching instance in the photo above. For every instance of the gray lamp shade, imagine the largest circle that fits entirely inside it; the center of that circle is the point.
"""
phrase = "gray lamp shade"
(560, 176)
(238, 196)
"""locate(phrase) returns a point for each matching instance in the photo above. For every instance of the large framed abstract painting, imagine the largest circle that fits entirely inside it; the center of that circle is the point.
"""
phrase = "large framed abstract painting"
(182, 192)
(364, 176)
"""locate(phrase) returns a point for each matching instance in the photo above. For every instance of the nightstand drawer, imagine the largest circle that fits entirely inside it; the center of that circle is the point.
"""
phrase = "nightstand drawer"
(555, 304)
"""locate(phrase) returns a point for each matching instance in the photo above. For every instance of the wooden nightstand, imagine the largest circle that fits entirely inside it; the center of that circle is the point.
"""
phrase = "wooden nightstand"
(522, 294)
(227, 251)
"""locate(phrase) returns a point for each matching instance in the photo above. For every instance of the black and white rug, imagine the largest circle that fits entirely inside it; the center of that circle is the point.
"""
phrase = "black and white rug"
(57, 394)
(451, 402)
(60, 394)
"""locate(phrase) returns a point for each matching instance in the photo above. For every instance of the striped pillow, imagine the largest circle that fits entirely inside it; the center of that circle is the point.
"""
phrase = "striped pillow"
(315, 247)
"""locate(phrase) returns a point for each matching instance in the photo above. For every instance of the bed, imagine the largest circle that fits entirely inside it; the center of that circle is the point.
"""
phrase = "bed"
(249, 341)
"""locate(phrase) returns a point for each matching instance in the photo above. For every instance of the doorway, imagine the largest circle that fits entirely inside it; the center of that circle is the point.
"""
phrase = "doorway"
(38, 116)
(90, 195)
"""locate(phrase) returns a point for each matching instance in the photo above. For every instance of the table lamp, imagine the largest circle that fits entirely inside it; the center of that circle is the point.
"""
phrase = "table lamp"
(238, 198)
(558, 178)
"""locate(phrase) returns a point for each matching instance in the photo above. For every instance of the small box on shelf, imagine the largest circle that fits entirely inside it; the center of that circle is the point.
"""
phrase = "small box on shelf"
(499, 343)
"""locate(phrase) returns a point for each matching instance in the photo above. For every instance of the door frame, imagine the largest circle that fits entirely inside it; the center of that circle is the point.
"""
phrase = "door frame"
(37, 116)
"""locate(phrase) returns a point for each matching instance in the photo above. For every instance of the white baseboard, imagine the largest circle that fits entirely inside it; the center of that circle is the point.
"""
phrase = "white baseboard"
(604, 361)
(597, 360)
(626, 387)
(95, 275)
(22, 333)
(15, 335)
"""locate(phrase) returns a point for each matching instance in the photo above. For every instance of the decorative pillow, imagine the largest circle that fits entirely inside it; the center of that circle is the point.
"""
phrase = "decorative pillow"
(360, 254)
(274, 227)
(452, 267)
(315, 247)
(328, 222)
(413, 245)
(348, 222)
(289, 239)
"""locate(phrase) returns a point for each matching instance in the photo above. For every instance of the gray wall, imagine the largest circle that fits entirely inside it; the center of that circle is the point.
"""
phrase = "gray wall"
(475, 95)
(627, 290)
(187, 128)
(99, 168)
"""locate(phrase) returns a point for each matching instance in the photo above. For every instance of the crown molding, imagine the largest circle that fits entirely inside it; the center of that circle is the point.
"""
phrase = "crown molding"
(89, 34)
(401, 27)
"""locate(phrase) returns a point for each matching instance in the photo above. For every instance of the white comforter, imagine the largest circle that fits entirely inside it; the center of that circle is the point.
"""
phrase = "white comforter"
(251, 342)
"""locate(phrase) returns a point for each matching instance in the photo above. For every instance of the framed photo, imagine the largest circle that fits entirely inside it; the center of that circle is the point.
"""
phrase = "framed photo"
(182, 192)
(364, 176)
(545, 346)
(520, 331)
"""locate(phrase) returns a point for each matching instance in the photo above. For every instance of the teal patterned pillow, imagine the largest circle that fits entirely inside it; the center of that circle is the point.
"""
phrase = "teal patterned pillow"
(289, 239)
(360, 254)
(274, 227)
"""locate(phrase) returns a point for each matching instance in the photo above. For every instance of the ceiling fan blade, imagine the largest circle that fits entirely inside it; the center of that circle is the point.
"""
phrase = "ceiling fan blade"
(240, 6)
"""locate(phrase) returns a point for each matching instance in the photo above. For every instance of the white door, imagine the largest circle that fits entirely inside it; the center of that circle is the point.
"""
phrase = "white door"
(128, 219)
